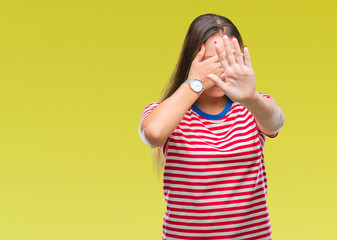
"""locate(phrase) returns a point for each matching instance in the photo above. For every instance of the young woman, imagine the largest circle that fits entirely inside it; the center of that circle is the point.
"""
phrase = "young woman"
(211, 127)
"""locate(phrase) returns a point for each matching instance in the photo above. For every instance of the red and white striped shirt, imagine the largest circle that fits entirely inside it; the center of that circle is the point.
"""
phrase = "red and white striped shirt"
(215, 182)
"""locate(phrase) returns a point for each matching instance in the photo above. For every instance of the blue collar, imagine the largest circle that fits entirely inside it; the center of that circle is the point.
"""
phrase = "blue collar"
(211, 116)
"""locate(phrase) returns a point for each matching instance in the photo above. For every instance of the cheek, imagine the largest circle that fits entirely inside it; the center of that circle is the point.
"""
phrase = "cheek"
(214, 91)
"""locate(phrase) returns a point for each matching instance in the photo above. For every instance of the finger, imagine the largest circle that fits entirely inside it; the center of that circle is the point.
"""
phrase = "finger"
(223, 77)
(247, 57)
(228, 50)
(201, 53)
(213, 59)
(221, 55)
(217, 81)
(220, 73)
(238, 53)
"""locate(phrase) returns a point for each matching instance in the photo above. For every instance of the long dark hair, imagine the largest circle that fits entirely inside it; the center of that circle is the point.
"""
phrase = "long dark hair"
(199, 31)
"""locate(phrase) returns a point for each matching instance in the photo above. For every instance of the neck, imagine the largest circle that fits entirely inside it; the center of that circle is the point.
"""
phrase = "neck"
(211, 105)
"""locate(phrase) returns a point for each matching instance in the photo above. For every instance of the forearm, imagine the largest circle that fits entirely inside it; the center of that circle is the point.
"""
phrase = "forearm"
(162, 121)
(268, 115)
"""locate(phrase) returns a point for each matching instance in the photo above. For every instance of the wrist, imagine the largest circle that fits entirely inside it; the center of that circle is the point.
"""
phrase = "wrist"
(195, 84)
(252, 101)
(206, 82)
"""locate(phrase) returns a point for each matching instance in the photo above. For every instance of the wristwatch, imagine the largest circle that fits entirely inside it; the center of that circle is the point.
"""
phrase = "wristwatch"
(195, 84)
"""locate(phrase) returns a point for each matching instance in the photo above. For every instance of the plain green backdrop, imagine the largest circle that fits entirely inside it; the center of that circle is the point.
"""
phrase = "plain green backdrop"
(76, 75)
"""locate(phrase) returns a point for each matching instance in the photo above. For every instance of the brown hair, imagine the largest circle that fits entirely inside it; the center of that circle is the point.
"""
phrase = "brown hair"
(199, 31)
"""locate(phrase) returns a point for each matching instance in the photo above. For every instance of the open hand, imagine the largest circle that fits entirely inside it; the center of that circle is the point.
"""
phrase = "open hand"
(199, 68)
(238, 79)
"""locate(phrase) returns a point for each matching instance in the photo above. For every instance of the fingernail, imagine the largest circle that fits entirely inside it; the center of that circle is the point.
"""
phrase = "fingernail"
(224, 34)
(233, 37)
(214, 42)
(206, 75)
(246, 46)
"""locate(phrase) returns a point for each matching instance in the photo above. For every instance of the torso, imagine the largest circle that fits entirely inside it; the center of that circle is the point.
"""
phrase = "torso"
(215, 182)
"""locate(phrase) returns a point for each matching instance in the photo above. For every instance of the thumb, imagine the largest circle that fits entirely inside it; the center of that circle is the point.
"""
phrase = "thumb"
(201, 53)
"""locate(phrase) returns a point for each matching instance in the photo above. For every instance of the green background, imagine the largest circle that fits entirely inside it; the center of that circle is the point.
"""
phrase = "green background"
(75, 77)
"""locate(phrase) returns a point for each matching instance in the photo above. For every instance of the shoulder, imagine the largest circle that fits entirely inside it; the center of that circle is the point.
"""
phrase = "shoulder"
(148, 109)
(267, 96)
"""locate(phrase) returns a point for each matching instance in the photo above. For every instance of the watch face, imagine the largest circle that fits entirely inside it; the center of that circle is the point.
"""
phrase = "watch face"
(196, 85)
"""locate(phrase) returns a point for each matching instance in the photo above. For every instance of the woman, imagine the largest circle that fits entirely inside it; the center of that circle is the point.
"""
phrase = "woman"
(211, 126)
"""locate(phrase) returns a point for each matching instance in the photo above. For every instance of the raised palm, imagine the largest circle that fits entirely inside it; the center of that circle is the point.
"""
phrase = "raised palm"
(238, 80)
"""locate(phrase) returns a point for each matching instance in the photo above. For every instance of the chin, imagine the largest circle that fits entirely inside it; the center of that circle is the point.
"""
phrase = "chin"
(214, 91)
